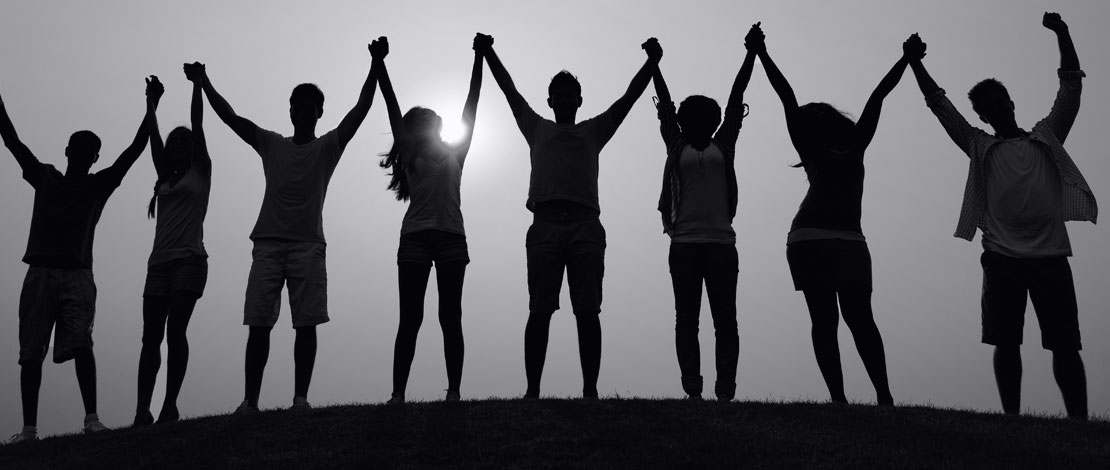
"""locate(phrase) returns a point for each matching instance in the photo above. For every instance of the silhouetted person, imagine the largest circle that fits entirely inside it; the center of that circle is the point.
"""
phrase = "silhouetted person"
(827, 252)
(1021, 188)
(289, 245)
(59, 292)
(177, 270)
(698, 202)
(427, 172)
(566, 232)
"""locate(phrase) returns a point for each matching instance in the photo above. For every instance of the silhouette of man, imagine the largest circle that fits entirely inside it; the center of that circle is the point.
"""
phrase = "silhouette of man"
(566, 232)
(59, 292)
(289, 245)
(1021, 188)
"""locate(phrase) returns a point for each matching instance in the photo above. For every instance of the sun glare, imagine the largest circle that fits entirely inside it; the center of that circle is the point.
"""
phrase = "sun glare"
(453, 130)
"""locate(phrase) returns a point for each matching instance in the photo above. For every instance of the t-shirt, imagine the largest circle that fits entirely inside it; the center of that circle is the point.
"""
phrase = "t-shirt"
(182, 206)
(435, 176)
(835, 193)
(1023, 217)
(65, 214)
(703, 213)
(565, 157)
(297, 179)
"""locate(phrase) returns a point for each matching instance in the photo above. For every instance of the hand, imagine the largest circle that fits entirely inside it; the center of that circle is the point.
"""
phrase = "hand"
(653, 49)
(754, 40)
(482, 43)
(379, 48)
(195, 72)
(154, 89)
(913, 49)
(1053, 22)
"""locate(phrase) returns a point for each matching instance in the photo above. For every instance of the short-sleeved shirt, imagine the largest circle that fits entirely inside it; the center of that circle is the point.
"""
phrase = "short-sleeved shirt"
(65, 214)
(297, 179)
(435, 178)
(1023, 216)
(182, 207)
(565, 157)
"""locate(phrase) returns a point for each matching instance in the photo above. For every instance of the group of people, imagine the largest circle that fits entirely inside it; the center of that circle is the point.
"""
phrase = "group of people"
(1021, 188)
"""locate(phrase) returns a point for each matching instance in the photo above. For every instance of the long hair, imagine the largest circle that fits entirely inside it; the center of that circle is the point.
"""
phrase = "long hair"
(825, 126)
(419, 122)
(178, 133)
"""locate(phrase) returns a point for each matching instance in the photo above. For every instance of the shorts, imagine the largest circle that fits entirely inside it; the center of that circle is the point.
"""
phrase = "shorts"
(58, 299)
(186, 275)
(303, 267)
(425, 246)
(1008, 282)
(575, 242)
(829, 263)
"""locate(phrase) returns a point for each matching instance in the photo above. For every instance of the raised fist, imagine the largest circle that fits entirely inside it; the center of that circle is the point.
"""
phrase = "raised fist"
(1053, 21)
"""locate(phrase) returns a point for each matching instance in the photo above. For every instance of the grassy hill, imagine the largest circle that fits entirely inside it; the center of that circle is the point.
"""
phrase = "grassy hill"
(614, 433)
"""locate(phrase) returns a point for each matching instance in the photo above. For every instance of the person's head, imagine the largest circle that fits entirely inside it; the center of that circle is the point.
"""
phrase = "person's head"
(306, 104)
(698, 118)
(992, 102)
(83, 149)
(423, 123)
(564, 93)
(825, 126)
(179, 148)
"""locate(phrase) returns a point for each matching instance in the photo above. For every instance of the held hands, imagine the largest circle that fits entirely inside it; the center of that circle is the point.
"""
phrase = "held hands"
(653, 49)
(483, 43)
(194, 72)
(754, 40)
(1053, 22)
(154, 89)
(379, 48)
(913, 49)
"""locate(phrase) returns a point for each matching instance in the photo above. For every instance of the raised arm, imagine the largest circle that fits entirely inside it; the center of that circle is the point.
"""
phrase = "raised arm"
(780, 85)
(962, 133)
(482, 44)
(357, 114)
(194, 72)
(1069, 60)
(129, 155)
(241, 126)
(620, 108)
(22, 154)
(378, 51)
(153, 96)
(914, 50)
(869, 119)
(734, 109)
(665, 109)
(1066, 106)
(516, 102)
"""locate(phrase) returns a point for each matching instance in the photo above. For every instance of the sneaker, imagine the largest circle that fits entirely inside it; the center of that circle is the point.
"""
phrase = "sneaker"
(168, 415)
(22, 437)
(452, 396)
(300, 403)
(94, 425)
(143, 418)
(531, 396)
(396, 399)
(695, 397)
(246, 408)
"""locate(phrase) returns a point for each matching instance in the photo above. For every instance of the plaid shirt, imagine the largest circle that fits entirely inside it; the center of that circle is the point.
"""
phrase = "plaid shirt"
(1078, 201)
(725, 138)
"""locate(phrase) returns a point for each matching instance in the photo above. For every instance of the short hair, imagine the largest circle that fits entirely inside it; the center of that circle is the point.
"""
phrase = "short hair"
(564, 79)
(307, 91)
(85, 139)
(984, 88)
(699, 109)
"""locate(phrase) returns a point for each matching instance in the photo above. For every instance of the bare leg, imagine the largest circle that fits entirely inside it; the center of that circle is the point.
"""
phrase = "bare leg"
(304, 359)
(258, 353)
(856, 308)
(1067, 367)
(1007, 374)
(825, 318)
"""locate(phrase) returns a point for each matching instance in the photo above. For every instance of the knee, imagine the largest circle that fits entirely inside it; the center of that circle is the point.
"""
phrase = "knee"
(152, 337)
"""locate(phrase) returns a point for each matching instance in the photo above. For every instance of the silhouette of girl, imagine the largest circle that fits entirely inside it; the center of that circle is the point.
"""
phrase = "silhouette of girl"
(178, 267)
(827, 252)
(427, 172)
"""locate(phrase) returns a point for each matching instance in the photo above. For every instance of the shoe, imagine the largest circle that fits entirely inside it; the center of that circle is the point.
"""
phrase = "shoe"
(452, 396)
(696, 397)
(22, 437)
(300, 404)
(531, 396)
(168, 415)
(94, 425)
(396, 399)
(246, 408)
(143, 418)
(724, 398)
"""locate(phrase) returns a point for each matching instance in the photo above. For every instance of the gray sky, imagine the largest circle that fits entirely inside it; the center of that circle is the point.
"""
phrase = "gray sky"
(73, 65)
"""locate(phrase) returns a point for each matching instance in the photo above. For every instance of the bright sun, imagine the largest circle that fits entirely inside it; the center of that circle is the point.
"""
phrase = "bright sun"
(453, 130)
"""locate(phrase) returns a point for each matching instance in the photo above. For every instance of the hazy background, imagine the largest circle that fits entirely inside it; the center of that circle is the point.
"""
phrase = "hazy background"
(69, 65)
